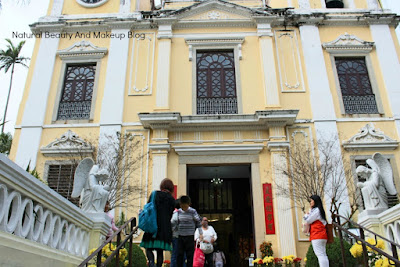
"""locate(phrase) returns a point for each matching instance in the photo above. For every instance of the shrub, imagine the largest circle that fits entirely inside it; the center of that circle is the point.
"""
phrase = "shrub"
(334, 255)
(139, 259)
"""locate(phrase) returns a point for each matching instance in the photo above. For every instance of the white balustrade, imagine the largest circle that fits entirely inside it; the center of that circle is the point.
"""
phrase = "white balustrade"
(31, 210)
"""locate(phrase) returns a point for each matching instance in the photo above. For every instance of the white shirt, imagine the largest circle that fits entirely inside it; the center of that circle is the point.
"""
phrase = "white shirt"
(207, 234)
(313, 215)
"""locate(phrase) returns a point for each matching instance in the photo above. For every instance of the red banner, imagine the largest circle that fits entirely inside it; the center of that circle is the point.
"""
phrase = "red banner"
(175, 191)
(268, 209)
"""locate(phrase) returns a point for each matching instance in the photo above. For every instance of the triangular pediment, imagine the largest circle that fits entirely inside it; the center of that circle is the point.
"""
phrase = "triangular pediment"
(214, 10)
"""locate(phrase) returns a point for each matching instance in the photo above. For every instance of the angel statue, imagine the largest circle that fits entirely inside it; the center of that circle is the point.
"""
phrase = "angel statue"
(379, 180)
(87, 185)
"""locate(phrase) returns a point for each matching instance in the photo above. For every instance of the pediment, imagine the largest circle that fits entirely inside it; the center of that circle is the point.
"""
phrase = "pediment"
(214, 10)
(69, 143)
(82, 49)
(348, 42)
(369, 138)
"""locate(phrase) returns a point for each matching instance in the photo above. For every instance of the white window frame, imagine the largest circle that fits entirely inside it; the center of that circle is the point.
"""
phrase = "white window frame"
(347, 45)
(87, 54)
(213, 44)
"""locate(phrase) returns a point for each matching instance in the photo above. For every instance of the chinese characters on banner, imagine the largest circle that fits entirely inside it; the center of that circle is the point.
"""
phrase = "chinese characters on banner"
(268, 209)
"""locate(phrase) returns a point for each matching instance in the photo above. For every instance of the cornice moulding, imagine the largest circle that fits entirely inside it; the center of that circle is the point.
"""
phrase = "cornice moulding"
(202, 150)
(173, 121)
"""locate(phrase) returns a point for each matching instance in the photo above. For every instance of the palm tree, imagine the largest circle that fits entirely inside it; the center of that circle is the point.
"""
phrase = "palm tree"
(8, 59)
(5, 143)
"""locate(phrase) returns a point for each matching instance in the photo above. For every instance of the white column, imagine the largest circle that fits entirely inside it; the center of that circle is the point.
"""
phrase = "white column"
(283, 208)
(326, 131)
(36, 104)
(390, 67)
(159, 168)
(349, 4)
(323, 4)
(56, 9)
(124, 6)
(114, 89)
(373, 4)
(258, 204)
(320, 95)
(268, 64)
(304, 4)
(163, 66)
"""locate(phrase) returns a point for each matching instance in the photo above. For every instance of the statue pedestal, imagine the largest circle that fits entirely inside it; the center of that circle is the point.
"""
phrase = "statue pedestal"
(370, 220)
(100, 228)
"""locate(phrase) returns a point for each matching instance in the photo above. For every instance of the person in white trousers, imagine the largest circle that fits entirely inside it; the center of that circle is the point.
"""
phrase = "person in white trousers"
(316, 220)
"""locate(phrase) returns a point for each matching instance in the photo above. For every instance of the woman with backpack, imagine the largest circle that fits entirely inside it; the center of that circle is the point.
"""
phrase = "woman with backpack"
(165, 205)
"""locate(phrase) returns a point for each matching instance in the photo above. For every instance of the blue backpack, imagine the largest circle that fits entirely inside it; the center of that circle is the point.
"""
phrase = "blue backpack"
(148, 216)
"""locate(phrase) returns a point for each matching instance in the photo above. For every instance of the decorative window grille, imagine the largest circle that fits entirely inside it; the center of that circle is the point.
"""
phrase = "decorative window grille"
(60, 178)
(76, 98)
(216, 82)
(355, 85)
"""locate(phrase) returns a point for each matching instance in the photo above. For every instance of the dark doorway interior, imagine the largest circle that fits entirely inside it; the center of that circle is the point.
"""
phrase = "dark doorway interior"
(223, 195)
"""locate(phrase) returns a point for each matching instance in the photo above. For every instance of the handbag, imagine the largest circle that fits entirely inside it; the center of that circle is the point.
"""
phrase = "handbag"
(207, 248)
(148, 216)
(329, 232)
(198, 258)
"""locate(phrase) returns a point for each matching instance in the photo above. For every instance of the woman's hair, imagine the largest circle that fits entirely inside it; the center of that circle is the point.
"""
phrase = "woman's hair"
(168, 185)
(318, 204)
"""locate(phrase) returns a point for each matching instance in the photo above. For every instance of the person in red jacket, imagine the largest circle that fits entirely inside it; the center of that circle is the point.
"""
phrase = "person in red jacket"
(316, 218)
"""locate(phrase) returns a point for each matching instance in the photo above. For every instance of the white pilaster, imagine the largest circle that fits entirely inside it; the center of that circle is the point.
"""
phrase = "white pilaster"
(373, 4)
(124, 6)
(320, 94)
(349, 4)
(283, 206)
(56, 9)
(35, 107)
(390, 67)
(113, 100)
(326, 131)
(258, 204)
(159, 169)
(321, 99)
(304, 4)
(268, 65)
(323, 4)
(163, 73)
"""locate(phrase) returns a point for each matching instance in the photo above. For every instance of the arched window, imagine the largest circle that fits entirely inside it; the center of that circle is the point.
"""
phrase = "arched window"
(216, 82)
(355, 85)
(76, 99)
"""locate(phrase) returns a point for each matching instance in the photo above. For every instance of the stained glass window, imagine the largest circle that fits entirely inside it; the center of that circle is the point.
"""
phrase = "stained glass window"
(358, 97)
(76, 98)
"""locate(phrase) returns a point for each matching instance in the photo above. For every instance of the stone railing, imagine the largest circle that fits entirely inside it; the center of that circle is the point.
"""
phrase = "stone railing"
(386, 223)
(32, 211)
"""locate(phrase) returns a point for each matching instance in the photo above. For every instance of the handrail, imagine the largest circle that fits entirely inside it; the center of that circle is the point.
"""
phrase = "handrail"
(98, 251)
(393, 259)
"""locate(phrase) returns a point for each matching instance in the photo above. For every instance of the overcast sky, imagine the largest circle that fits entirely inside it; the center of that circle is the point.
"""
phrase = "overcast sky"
(14, 17)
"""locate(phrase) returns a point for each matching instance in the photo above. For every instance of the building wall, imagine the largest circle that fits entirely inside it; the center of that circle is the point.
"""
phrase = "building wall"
(145, 63)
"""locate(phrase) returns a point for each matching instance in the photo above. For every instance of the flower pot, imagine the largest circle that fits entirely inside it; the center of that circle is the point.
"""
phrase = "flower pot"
(334, 3)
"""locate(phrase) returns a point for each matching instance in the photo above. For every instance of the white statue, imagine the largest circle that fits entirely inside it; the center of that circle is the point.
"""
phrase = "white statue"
(379, 179)
(87, 185)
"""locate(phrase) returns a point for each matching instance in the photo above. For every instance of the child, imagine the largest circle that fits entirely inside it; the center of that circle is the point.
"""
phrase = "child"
(186, 220)
(219, 257)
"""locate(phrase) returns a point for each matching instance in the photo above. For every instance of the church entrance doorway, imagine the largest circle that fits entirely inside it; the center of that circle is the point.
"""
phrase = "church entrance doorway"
(223, 194)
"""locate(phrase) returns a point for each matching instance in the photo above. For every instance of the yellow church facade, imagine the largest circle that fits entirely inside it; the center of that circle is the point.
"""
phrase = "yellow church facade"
(215, 92)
